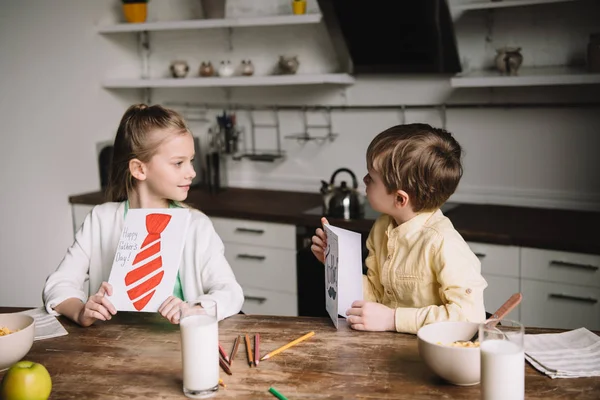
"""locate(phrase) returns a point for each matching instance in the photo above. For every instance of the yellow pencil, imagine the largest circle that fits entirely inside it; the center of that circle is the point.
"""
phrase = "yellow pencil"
(287, 346)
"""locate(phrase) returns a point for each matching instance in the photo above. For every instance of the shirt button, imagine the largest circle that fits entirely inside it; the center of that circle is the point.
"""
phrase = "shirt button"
(388, 292)
(389, 257)
(469, 291)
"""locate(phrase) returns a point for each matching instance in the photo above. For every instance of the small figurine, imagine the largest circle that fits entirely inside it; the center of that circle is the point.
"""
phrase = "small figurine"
(288, 65)
(206, 69)
(508, 60)
(225, 69)
(179, 69)
(247, 68)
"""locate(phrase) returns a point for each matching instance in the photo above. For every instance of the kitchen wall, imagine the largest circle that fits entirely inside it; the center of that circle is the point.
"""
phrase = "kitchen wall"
(54, 111)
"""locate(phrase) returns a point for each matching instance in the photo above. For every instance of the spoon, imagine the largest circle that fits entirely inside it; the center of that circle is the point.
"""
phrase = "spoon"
(504, 309)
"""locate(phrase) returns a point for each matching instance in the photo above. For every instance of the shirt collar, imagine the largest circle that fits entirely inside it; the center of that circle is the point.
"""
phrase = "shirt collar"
(414, 224)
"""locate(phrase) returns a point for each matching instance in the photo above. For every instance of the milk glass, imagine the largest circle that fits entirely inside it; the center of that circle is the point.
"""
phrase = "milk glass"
(502, 360)
(199, 348)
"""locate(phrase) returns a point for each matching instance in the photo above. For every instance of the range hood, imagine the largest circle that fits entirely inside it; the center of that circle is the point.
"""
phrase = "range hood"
(392, 36)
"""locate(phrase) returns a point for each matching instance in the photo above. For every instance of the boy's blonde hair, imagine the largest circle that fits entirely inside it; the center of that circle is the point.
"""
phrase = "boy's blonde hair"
(423, 161)
(133, 141)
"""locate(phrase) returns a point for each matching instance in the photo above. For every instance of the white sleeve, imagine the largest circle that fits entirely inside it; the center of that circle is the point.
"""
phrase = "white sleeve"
(68, 279)
(218, 280)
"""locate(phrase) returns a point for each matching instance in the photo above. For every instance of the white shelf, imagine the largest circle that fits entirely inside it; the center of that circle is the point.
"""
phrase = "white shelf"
(546, 76)
(481, 5)
(236, 81)
(214, 23)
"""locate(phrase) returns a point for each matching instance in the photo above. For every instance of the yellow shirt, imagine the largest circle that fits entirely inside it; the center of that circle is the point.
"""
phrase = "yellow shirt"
(425, 270)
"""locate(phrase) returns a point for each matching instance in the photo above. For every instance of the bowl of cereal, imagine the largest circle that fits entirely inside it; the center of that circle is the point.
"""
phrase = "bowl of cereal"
(442, 348)
(16, 338)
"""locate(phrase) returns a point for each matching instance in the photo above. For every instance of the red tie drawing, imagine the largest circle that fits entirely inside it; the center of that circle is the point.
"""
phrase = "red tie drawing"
(155, 224)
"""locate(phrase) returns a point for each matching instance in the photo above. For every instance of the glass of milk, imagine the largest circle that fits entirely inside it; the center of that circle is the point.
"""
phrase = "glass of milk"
(199, 348)
(502, 360)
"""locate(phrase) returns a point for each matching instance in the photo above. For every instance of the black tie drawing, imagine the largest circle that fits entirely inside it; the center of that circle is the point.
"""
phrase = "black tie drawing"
(331, 273)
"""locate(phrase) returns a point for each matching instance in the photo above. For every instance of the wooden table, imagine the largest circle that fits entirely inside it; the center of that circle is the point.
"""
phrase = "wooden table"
(137, 356)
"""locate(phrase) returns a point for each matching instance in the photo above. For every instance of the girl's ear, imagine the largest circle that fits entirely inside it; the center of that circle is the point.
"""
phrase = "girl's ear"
(137, 169)
(402, 199)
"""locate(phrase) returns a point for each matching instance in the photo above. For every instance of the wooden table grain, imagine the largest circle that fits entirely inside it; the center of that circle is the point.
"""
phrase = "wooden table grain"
(137, 356)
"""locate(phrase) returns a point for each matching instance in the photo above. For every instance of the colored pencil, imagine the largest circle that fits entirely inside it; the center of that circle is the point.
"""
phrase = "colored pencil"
(275, 393)
(222, 383)
(249, 350)
(256, 349)
(287, 346)
(224, 365)
(236, 344)
(222, 351)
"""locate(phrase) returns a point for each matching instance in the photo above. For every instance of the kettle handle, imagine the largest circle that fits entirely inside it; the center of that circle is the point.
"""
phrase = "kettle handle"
(354, 181)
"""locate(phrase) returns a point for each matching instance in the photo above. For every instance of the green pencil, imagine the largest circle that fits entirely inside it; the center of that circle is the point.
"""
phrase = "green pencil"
(275, 393)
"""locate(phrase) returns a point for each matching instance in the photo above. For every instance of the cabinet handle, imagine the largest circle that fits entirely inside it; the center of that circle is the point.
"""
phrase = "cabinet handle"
(260, 300)
(251, 257)
(480, 255)
(560, 263)
(571, 297)
(249, 230)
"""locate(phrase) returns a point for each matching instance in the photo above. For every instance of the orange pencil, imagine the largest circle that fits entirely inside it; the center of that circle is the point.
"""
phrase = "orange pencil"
(287, 346)
(256, 349)
(222, 351)
(236, 344)
(249, 350)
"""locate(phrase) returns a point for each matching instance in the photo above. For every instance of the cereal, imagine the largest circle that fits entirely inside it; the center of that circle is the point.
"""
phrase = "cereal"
(5, 331)
(463, 344)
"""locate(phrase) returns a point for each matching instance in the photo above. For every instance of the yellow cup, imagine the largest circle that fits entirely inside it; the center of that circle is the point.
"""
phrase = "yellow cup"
(299, 7)
(135, 12)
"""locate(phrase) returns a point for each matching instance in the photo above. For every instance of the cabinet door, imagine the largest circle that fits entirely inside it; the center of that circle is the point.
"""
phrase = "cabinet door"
(559, 305)
(496, 259)
(266, 302)
(256, 233)
(79, 211)
(499, 289)
(561, 267)
(263, 267)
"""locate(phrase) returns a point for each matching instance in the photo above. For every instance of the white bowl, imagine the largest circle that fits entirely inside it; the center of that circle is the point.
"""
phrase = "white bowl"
(457, 365)
(14, 346)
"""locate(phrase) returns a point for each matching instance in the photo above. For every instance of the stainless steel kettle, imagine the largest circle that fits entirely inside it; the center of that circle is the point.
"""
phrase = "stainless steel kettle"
(342, 201)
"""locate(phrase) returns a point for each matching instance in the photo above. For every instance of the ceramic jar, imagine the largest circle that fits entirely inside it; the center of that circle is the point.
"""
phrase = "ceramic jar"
(288, 65)
(247, 68)
(508, 60)
(225, 69)
(179, 69)
(206, 69)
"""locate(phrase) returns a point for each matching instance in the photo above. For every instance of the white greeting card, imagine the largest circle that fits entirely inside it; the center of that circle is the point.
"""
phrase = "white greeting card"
(343, 271)
(148, 257)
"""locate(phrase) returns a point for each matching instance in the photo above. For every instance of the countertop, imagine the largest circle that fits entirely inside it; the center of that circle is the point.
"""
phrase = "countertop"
(552, 229)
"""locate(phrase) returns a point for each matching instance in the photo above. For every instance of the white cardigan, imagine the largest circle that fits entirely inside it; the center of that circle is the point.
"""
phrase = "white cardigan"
(204, 271)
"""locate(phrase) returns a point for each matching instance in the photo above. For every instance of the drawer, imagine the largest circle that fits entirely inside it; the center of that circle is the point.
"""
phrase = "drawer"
(556, 305)
(266, 302)
(263, 267)
(496, 259)
(499, 289)
(561, 267)
(256, 233)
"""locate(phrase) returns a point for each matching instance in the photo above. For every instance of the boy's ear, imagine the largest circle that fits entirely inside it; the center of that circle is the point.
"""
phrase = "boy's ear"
(402, 199)
(137, 169)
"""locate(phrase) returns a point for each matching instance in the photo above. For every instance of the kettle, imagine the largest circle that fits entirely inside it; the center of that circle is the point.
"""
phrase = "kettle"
(342, 201)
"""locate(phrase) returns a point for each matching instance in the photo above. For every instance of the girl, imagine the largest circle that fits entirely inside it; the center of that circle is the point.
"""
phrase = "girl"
(151, 168)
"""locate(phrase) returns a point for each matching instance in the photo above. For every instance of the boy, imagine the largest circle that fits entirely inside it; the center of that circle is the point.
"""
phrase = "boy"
(420, 270)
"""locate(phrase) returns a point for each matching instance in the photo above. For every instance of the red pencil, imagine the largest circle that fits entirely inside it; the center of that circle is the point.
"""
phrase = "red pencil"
(222, 351)
(224, 365)
(256, 349)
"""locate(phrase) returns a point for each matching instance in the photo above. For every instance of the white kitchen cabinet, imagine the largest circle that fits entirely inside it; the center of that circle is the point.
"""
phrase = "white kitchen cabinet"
(79, 211)
(559, 305)
(263, 258)
(560, 267)
(499, 289)
(500, 268)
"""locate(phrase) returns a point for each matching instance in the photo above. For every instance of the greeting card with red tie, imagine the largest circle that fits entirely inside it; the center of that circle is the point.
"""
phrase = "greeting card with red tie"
(148, 257)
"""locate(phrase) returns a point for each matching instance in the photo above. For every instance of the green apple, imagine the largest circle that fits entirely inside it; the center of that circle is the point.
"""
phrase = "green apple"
(26, 380)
